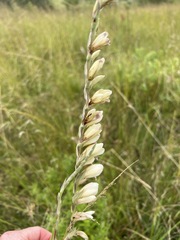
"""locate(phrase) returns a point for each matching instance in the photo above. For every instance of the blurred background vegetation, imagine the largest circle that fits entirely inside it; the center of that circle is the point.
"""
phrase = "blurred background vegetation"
(53, 4)
(42, 54)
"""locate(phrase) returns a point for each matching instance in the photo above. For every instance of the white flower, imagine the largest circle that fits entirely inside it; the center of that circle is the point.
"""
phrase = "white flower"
(84, 200)
(90, 172)
(82, 235)
(91, 140)
(93, 171)
(90, 161)
(88, 190)
(100, 41)
(95, 150)
(93, 117)
(92, 131)
(76, 233)
(81, 216)
(96, 80)
(86, 194)
(91, 152)
(90, 115)
(101, 96)
(97, 65)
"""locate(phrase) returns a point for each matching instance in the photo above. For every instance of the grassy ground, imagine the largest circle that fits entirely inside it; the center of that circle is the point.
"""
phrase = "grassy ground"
(41, 76)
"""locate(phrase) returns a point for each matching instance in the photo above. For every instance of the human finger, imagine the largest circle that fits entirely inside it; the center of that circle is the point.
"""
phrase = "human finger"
(31, 233)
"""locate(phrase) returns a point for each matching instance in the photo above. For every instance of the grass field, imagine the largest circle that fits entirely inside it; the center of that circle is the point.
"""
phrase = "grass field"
(41, 76)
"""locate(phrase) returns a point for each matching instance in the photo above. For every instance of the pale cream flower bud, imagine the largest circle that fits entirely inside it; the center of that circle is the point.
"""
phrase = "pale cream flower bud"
(90, 161)
(71, 234)
(91, 140)
(91, 152)
(96, 80)
(93, 117)
(95, 150)
(97, 7)
(95, 55)
(88, 190)
(85, 200)
(99, 4)
(100, 41)
(101, 96)
(97, 65)
(92, 131)
(81, 216)
(90, 172)
(82, 235)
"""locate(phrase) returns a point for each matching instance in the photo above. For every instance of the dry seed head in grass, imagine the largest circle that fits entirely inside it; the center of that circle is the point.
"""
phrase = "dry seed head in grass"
(88, 149)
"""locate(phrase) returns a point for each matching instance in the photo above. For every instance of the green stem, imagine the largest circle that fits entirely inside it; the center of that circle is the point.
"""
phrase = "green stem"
(60, 193)
(81, 127)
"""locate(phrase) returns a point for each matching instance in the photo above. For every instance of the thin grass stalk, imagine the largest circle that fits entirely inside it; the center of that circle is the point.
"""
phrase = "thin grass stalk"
(165, 151)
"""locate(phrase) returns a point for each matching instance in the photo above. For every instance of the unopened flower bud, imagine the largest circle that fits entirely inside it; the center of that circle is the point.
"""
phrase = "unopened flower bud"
(90, 161)
(91, 140)
(91, 152)
(95, 55)
(92, 131)
(96, 80)
(82, 235)
(85, 200)
(90, 172)
(100, 41)
(95, 150)
(101, 96)
(88, 190)
(97, 65)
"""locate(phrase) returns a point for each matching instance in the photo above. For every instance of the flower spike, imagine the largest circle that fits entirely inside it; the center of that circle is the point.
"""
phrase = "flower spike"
(88, 149)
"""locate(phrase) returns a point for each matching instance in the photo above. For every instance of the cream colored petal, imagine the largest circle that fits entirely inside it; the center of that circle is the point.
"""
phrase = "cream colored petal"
(90, 161)
(97, 65)
(95, 55)
(90, 172)
(82, 235)
(91, 152)
(92, 130)
(100, 41)
(91, 140)
(81, 216)
(89, 189)
(96, 80)
(85, 200)
(96, 150)
(93, 117)
(101, 96)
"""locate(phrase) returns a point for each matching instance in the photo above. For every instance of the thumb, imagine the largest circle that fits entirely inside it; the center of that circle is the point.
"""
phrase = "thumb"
(31, 233)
